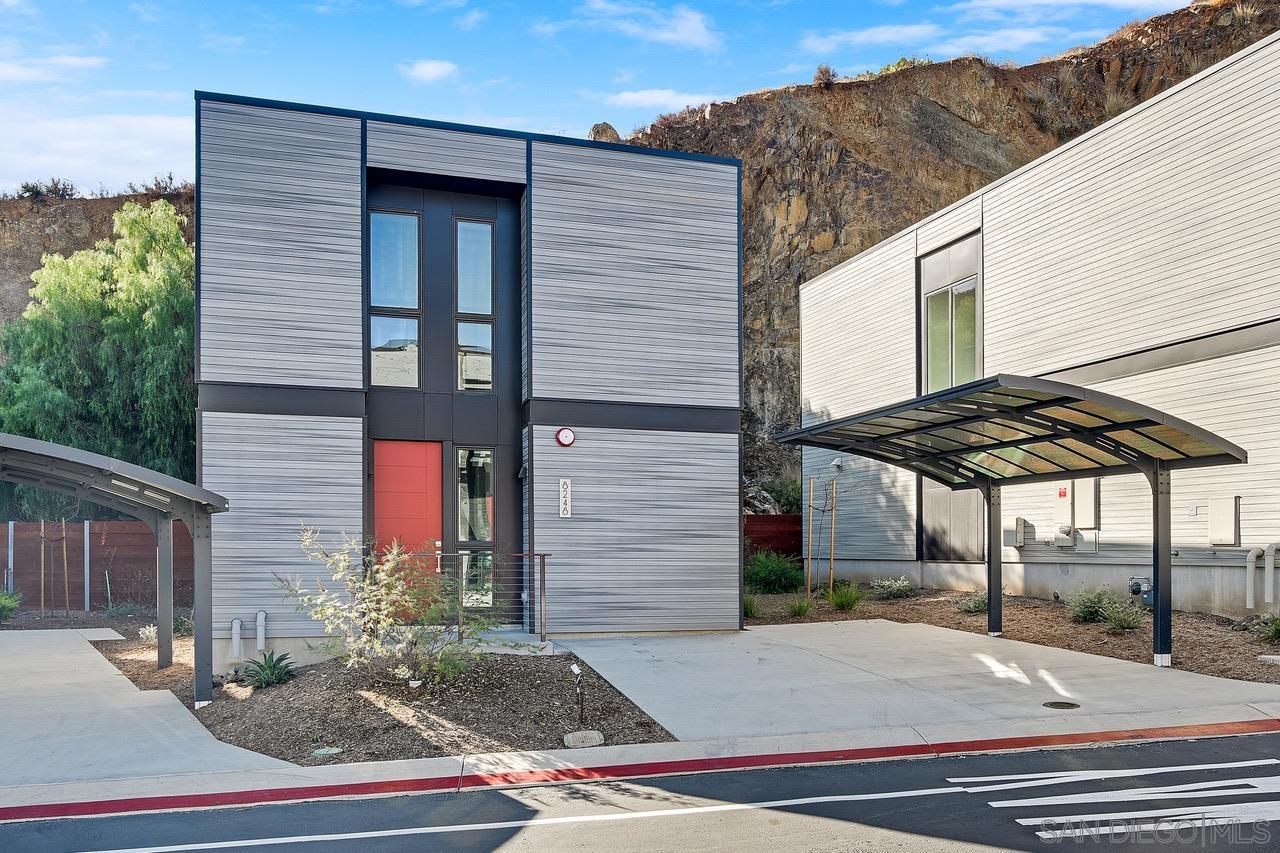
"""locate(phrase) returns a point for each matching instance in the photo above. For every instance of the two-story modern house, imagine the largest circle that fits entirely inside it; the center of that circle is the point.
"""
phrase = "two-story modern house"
(1142, 260)
(481, 343)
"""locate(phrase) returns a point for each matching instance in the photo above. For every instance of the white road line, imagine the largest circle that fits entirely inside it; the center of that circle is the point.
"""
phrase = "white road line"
(1218, 788)
(1062, 777)
(541, 821)
(1128, 823)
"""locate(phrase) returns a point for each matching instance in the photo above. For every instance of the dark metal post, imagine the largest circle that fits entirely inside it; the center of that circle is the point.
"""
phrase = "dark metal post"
(164, 591)
(995, 564)
(462, 592)
(542, 596)
(202, 604)
(1161, 565)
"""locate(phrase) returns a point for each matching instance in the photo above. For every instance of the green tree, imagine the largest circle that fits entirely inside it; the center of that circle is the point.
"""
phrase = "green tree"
(102, 358)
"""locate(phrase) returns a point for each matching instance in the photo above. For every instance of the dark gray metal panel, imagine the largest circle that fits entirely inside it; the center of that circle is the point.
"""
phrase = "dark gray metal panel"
(275, 400)
(280, 247)
(653, 541)
(634, 416)
(635, 278)
(280, 472)
(446, 152)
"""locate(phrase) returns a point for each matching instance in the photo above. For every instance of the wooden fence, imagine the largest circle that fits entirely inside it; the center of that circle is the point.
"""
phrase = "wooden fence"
(779, 533)
(120, 563)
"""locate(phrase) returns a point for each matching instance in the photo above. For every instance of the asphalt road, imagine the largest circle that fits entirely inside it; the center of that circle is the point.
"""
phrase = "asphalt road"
(1207, 794)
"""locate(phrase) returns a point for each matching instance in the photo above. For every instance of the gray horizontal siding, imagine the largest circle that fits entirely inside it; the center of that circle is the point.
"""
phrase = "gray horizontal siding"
(653, 544)
(635, 278)
(279, 472)
(446, 152)
(955, 223)
(280, 262)
(1162, 226)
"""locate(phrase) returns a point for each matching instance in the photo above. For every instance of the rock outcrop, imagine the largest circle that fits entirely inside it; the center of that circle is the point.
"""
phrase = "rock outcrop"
(830, 170)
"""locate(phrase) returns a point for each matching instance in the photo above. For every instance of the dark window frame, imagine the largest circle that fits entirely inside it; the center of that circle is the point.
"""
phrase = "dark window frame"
(374, 310)
(460, 316)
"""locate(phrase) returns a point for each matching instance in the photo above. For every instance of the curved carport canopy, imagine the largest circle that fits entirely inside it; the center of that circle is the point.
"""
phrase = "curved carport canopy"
(1010, 429)
(155, 498)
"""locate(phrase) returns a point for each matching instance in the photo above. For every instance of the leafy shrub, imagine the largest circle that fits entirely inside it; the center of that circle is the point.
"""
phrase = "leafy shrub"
(125, 610)
(846, 597)
(892, 588)
(1122, 615)
(750, 608)
(9, 602)
(272, 669)
(182, 622)
(771, 572)
(787, 494)
(1268, 628)
(799, 606)
(149, 634)
(1090, 606)
(973, 602)
(383, 611)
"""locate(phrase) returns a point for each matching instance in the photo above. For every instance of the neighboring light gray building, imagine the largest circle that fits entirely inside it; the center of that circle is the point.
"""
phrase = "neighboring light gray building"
(1141, 259)
(421, 331)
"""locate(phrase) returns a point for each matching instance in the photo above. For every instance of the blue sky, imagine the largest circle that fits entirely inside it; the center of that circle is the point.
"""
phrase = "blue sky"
(100, 92)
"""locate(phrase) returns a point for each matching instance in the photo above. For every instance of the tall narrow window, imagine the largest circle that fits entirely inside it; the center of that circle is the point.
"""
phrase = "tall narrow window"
(475, 495)
(474, 300)
(394, 304)
(952, 333)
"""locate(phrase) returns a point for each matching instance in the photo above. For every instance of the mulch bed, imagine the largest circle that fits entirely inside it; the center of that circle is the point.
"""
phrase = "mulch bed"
(1202, 643)
(502, 703)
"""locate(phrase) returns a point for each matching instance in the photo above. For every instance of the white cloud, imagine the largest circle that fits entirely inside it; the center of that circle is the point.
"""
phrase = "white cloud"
(471, 19)
(148, 12)
(47, 68)
(998, 41)
(1148, 6)
(427, 70)
(678, 25)
(623, 76)
(904, 34)
(93, 150)
(223, 42)
(659, 99)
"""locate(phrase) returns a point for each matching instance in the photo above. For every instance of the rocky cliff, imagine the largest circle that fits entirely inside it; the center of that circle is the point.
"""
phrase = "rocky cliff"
(833, 168)
(33, 227)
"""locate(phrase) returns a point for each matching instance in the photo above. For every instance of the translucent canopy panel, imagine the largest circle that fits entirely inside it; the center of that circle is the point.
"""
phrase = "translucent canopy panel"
(1018, 429)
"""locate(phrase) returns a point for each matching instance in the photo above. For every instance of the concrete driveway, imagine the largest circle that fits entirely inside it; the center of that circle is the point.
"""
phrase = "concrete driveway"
(866, 674)
(68, 715)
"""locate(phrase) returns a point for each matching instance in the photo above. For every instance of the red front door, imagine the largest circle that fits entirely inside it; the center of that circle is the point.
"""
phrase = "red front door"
(407, 485)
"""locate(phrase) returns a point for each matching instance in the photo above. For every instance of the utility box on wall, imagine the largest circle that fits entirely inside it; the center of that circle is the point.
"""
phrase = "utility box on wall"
(1224, 520)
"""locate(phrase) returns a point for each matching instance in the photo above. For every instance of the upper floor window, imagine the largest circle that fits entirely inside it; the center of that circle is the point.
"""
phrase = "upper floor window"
(473, 250)
(395, 314)
(952, 321)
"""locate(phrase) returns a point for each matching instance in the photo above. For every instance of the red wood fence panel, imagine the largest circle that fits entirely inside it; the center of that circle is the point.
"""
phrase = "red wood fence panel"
(779, 533)
(122, 553)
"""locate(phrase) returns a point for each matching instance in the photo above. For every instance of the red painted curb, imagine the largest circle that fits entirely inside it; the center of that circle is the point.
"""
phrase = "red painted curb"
(616, 771)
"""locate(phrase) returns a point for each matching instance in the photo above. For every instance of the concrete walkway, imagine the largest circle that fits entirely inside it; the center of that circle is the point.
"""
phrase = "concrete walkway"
(866, 674)
(68, 715)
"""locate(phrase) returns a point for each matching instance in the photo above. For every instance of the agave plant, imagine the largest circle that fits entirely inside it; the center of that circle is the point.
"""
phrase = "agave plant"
(272, 669)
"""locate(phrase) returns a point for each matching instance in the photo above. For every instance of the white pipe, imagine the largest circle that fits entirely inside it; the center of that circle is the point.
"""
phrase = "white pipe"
(237, 650)
(262, 630)
(1269, 574)
(1250, 563)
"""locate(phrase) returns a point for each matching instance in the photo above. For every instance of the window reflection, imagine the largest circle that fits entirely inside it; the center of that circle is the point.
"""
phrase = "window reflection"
(475, 357)
(475, 495)
(393, 351)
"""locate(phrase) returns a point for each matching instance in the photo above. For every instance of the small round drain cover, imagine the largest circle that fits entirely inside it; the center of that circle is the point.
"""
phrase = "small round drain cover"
(1061, 706)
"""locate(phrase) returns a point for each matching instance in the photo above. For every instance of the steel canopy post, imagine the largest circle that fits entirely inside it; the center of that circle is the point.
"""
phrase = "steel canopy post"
(164, 591)
(995, 565)
(1161, 565)
(202, 601)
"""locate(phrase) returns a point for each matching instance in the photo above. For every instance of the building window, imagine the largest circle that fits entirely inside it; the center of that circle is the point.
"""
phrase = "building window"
(952, 315)
(393, 351)
(475, 356)
(473, 250)
(395, 314)
(475, 267)
(476, 571)
(475, 495)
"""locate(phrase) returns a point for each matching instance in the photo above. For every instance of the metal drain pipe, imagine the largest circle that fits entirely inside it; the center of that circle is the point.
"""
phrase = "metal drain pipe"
(1250, 563)
(237, 648)
(1269, 573)
(262, 631)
